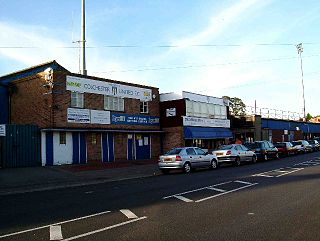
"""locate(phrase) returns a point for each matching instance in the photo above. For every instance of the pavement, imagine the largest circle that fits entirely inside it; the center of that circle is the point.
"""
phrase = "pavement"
(30, 179)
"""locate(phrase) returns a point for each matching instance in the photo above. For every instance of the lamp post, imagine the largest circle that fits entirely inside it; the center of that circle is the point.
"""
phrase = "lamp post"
(300, 50)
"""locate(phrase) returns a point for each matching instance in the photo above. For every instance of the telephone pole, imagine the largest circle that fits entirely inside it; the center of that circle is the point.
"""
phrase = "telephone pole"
(83, 40)
(300, 50)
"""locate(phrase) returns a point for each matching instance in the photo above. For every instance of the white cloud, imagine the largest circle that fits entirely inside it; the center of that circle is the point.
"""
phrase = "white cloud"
(39, 46)
(219, 23)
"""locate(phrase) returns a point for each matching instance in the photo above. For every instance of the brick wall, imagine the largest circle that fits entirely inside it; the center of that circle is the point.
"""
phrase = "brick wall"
(120, 146)
(155, 146)
(29, 103)
(94, 147)
(298, 135)
(62, 101)
(279, 136)
(173, 137)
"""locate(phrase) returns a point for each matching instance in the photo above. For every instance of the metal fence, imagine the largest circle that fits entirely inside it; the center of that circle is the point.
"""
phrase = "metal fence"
(20, 147)
(273, 113)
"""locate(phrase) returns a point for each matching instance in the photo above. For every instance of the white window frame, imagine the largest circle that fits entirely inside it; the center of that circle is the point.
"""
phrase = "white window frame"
(113, 103)
(144, 107)
(77, 99)
(205, 110)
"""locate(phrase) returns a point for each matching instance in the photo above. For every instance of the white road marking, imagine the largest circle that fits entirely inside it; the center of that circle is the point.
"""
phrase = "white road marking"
(212, 187)
(216, 189)
(308, 163)
(223, 193)
(315, 163)
(89, 192)
(128, 213)
(297, 169)
(261, 175)
(248, 183)
(187, 200)
(265, 174)
(55, 232)
(53, 224)
(199, 189)
(104, 229)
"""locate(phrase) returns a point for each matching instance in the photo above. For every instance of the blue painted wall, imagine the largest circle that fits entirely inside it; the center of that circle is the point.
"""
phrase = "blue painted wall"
(4, 105)
(290, 125)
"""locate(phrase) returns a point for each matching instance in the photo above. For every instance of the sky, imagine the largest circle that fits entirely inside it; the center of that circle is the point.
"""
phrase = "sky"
(237, 48)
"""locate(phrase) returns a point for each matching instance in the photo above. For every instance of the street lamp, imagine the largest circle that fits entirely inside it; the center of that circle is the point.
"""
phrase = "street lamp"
(300, 50)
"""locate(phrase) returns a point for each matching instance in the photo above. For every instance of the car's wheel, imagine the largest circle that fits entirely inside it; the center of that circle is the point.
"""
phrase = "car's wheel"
(214, 164)
(254, 159)
(187, 167)
(237, 162)
(165, 171)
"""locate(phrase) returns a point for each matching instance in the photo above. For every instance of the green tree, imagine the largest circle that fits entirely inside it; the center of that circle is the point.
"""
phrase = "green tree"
(236, 106)
(309, 117)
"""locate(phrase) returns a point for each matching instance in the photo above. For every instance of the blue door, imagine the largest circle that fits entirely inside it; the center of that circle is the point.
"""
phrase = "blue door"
(76, 148)
(49, 148)
(130, 148)
(143, 146)
(83, 148)
(107, 147)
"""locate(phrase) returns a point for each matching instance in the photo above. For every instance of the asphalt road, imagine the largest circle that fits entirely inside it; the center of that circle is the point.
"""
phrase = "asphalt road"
(274, 200)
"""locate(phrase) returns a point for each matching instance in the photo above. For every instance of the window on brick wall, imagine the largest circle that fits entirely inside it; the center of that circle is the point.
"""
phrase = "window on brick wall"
(63, 138)
(113, 103)
(77, 99)
(144, 107)
(206, 110)
(94, 138)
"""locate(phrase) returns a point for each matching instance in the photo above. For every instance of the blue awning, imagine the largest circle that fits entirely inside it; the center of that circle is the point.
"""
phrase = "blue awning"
(207, 133)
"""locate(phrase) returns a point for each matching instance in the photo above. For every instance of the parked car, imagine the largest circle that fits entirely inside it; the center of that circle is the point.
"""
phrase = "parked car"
(285, 148)
(298, 147)
(317, 138)
(235, 153)
(186, 159)
(302, 146)
(314, 144)
(264, 150)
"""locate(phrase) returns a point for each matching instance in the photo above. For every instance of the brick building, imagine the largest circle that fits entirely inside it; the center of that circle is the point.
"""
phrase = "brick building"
(194, 120)
(83, 118)
(254, 128)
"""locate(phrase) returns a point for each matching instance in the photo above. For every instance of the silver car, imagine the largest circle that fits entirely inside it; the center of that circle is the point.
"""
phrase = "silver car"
(235, 153)
(186, 159)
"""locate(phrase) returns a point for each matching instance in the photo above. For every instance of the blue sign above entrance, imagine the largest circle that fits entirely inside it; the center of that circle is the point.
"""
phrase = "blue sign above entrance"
(135, 119)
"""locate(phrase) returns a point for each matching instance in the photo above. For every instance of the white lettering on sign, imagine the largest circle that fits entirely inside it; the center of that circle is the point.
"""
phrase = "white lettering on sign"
(2, 130)
(205, 122)
(84, 85)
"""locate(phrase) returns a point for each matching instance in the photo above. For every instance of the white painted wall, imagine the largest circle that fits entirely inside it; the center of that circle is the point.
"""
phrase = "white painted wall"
(43, 149)
(169, 97)
(203, 98)
(62, 154)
